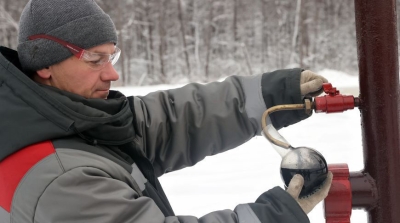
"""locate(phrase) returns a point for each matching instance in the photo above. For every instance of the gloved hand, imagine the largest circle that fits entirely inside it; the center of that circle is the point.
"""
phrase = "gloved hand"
(311, 83)
(309, 202)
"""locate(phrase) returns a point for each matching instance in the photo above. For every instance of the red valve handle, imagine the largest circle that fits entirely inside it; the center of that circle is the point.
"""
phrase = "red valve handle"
(338, 204)
(328, 89)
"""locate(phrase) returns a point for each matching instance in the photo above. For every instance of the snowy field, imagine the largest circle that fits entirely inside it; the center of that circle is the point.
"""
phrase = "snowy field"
(242, 174)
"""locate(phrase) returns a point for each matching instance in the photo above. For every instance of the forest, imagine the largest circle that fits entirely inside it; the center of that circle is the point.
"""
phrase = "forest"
(173, 41)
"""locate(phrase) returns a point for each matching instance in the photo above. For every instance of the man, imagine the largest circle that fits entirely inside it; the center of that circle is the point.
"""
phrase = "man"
(74, 151)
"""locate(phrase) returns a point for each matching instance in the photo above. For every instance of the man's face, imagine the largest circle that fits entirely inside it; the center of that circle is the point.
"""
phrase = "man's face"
(78, 77)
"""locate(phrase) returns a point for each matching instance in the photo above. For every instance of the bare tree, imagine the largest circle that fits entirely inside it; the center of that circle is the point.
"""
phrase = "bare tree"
(150, 44)
(6, 19)
(121, 41)
(234, 23)
(197, 25)
(209, 37)
(295, 37)
(161, 35)
(304, 40)
(8, 26)
(185, 50)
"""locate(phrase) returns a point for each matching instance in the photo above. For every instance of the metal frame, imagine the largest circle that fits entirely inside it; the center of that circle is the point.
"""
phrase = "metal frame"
(379, 92)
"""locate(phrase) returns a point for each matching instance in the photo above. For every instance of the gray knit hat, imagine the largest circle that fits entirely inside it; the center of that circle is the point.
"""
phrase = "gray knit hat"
(80, 22)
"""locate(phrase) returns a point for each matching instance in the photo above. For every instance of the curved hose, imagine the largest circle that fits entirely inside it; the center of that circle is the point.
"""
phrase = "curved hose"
(274, 109)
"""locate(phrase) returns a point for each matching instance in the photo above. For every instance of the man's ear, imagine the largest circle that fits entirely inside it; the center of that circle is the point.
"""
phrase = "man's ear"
(44, 73)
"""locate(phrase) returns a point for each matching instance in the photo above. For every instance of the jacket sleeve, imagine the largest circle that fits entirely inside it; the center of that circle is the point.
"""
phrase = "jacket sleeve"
(179, 127)
(89, 195)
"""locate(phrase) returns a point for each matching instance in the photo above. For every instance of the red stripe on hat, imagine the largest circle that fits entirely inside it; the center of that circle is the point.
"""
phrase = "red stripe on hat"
(15, 166)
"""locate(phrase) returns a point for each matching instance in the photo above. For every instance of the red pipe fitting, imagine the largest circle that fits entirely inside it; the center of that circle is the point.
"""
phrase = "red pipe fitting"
(338, 203)
(333, 101)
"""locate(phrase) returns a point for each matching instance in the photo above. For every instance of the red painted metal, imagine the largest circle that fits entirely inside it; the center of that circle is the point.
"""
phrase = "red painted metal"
(376, 34)
(333, 101)
(338, 203)
(364, 190)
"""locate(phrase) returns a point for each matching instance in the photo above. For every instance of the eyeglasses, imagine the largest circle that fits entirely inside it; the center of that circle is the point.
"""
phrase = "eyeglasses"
(96, 61)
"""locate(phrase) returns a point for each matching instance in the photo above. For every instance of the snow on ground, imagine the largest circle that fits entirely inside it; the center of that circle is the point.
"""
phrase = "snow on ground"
(242, 174)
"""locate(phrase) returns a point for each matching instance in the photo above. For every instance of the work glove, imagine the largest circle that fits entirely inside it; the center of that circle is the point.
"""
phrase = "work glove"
(311, 83)
(289, 86)
(309, 202)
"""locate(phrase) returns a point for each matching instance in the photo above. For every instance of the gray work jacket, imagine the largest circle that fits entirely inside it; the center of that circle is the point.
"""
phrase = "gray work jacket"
(64, 158)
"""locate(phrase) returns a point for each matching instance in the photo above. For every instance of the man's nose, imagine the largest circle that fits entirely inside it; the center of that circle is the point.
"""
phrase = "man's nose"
(109, 73)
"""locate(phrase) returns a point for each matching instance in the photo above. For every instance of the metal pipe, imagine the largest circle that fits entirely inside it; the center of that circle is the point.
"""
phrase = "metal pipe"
(379, 87)
(364, 193)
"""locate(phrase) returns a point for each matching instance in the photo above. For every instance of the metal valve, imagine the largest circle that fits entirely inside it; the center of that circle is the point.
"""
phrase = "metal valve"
(309, 162)
(333, 101)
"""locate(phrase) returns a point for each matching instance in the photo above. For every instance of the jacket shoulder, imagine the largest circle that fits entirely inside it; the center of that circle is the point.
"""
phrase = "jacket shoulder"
(42, 164)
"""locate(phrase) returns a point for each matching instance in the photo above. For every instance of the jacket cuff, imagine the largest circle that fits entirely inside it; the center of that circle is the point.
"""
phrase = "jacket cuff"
(288, 205)
(275, 205)
(283, 87)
